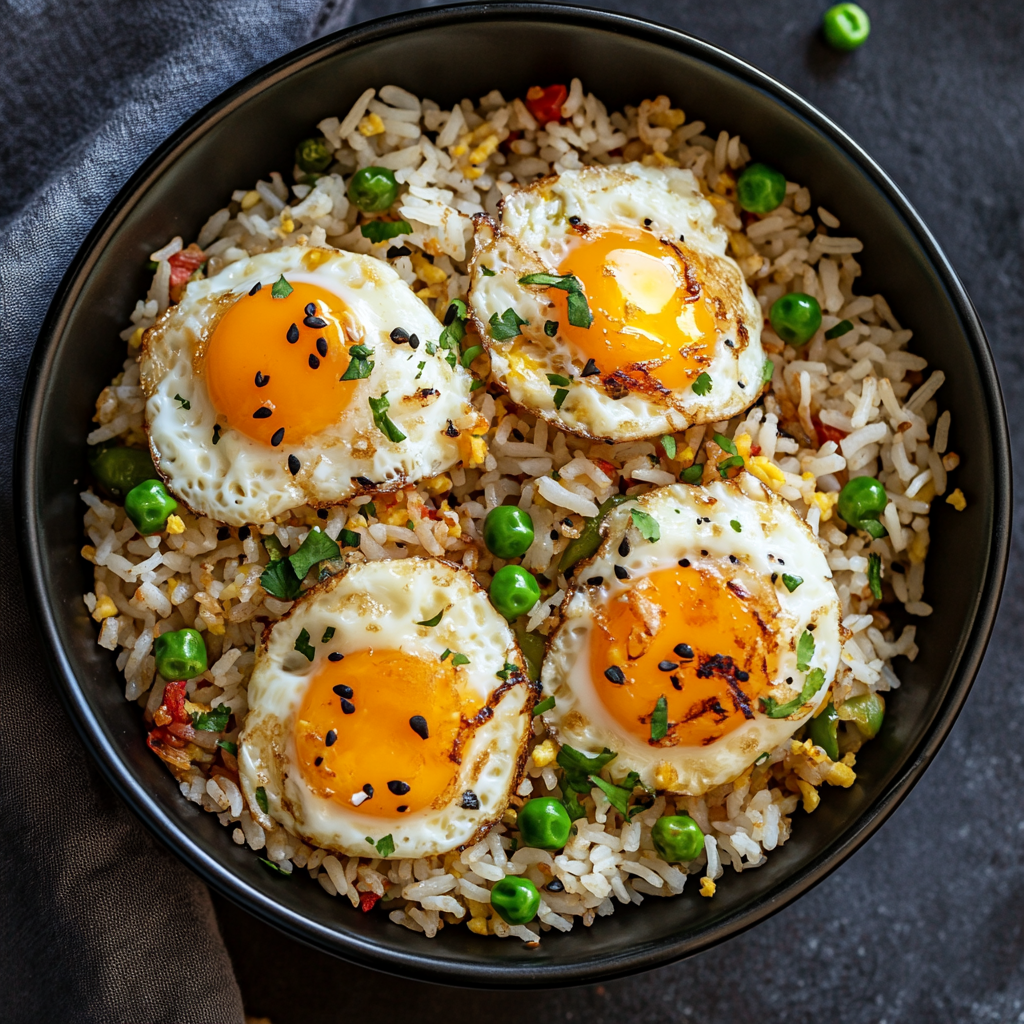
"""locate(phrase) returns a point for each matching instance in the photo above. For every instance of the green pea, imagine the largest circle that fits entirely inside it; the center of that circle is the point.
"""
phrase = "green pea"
(180, 655)
(372, 189)
(515, 899)
(861, 501)
(867, 711)
(760, 188)
(533, 646)
(148, 505)
(795, 317)
(508, 531)
(313, 155)
(677, 838)
(514, 591)
(589, 540)
(119, 469)
(823, 731)
(846, 26)
(544, 823)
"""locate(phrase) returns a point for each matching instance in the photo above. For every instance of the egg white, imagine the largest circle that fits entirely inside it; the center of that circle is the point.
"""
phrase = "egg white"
(533, 236)
(240, 480)
(769, 525)
(378, 604)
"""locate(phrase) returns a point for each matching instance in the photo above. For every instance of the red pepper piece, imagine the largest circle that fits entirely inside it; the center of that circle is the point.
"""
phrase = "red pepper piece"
(174, 701)
(607, 468)
(184, 264)
(827, 433)
(367, 901)
(546, 104)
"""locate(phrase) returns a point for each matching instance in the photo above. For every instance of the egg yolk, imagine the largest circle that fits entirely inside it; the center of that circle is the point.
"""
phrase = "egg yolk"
(647, 304)
(354, 741)
(690, 636)
(265, 384)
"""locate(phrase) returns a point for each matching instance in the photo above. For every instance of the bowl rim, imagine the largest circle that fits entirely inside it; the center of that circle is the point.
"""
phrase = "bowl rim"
(426, 966)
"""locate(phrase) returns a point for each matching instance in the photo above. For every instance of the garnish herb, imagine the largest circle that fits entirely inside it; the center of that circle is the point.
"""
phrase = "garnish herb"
(619, 796)
(506, 326)
(211, 721)
(419, 370)
(506, 671)
(304, 647)
(454, 331)
(576, 301)
(445, 653)
(275, 868)
(381, 230)
(557, 380)
(875, 575)
(434, 621)
(459, 659)
(560, 396)
(804, 651)
(812, 684)
(577, 768)
(726, 444)
(470, 354)
(282, 289)
(550, 328)
(659, 719)
(692, 474)
(761, 758)
(361, 365)
(231, 748)
(386, 846)
(261, 799)
(545, 705)
(316, 548)
(370, 509)
(735, 524)
(184, 402)
(733, 462)
(349, 538)
(476, 384)
(791, 582)
(379, 407)
(702, 385)
(668, 442)
(646, 524)
(486, 271)
(766, 371)
(328, 635)
(841, 328)
(283, 576)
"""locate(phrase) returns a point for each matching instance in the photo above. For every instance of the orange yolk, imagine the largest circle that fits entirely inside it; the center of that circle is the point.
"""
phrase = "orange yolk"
(709, 695)
(646, 307)
(251, 365)
(339, 754)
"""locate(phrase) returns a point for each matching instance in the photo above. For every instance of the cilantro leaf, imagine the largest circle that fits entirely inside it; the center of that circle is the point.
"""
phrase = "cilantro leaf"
(419, 370)
(735, 524)
(577, 766)
(328, 635)
(316, 548)
(812, 684)
(618, 796)
(734, 461)
(386, 846)
(282, 289)
(211, 721)
(360, 365)
(766, 371)
(304, 647)
(726, 444)
(349, 538)
(579, 310)
(804, 651)
(702, 385)
(659, 719)
(231, 748)
(557, 380)
(646, 524)
(486, 271)
(434, 621)
(506, 671)
(381, 419)
(560, 396)
(566, 282)
(261, 799)
(545, 705)
(692, 474)
(381, 230)
(453, 333)
(477, 384)
(506, 326)
(841, 328)
(668, 442)
(459, 659)
(279, 580)
(791, 582)
(470, 354)
(874, 575)
(184, 402)
(273, 868)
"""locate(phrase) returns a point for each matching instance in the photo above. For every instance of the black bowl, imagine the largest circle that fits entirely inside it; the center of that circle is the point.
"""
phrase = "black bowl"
(447, 54)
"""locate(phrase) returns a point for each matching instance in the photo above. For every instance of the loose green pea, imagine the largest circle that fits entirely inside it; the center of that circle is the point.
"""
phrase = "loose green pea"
(313, 155)
(846, 26)
(148, 505)
(795, 317)
(180, 655)
(861, 501)
(119, 469)
(515, 899)
(677, 838)
(372, 189)
(823, 731)
(544, 823)
(867, 711)
(533, 646)
(760, 188)
(514, 591)
(508, 531)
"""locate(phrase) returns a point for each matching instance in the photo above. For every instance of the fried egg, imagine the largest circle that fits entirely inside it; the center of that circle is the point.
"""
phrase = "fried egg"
(701, 620)
(674, 336)
(391, 701)
(248, 411)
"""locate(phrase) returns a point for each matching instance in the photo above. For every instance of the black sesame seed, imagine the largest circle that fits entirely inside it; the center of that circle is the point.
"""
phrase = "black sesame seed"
(470, 801)
(699, 520)
(567, 521)
(685, 651)
(310, 309)
(668, 666)
(368, 789)
(451, 430)
(322, 513)
(676, 684)
(336, 656)
(730, 343)
(398, 250)
(262, 413)
(647, 222)
(518, 434)
(789, 680)
(292, 335)
(364, 481)
(682, 238)
(398, 788)
(414, 341)
(595, 581)
(331, 738)
(347, 706)
(216, 433)
(341, 689)
(775, 576)
(314, 363)
(742, 676)
(321, 346)
(244, 533)
(315, 322)
(590, 369)
(319, 761)
(614, 674)
(402, 809)
(574, 221)
(704, 552)
(418, 724)
(399, 337)
(293, 464)
(624, 547)
(811, 626)
(256, 287)
(684, 562)
(555, 885)
(554, 535)
(782, 561)
(261, 380)
(742, 385)
(450, 314)
(278, 437)
(733, 559)
(223, 533)
(621, 573)
(706, 519)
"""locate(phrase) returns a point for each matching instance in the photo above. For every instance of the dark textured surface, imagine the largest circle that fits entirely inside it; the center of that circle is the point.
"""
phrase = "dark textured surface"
(922, 925)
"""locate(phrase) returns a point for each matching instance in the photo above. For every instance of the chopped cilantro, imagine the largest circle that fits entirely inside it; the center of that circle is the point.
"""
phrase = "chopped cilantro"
(386, 846)
(804, 651)
(419, 370)
(618, 796)
(646, 524)
(282, 289)
(506, 326)
(812, 684)
(361, 365)
(550, 328)
(766, 371)
(231, 748)
(875, 575)
(184, 402)
(349, 538)
(470, 354)
(578, 310)
(459, 659)
(560, 396)
(545, 705)
(557, 380)
(735, 524)
(733, 462)
(692, 474)
(841, 328)
(261, 799)
(702, 385)
(445, 653)
(726, 444)
(477, 384)
(379, 407)
(668, 442)
(486, 271)
(381, 230)
(303, 646)
(370, 509)
(761, 758)
(659, 719)
(791, 582)
(434, 621)
(282, 577)
(457, 310)
(576, 302)
(577, 768)
(279, 580)
(328, 635)
(316, 548)
(275, 869)
(506, 671)
(211, 721)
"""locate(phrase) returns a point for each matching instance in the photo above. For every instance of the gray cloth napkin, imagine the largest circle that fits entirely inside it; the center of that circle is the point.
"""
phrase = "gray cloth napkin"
(100, 923)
